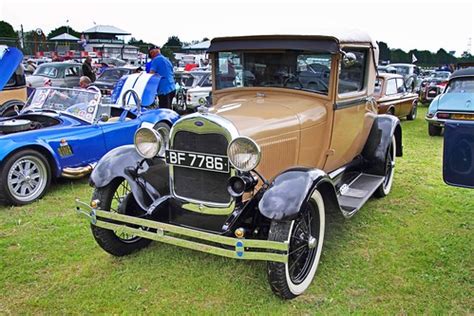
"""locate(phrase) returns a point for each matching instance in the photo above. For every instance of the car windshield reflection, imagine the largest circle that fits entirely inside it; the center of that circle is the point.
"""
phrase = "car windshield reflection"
(79, 103)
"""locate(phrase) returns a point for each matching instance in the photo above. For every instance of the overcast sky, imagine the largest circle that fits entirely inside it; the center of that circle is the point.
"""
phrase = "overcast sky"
(402, 24)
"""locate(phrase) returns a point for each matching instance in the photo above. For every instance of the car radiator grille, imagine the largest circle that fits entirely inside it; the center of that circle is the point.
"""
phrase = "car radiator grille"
(201, 185)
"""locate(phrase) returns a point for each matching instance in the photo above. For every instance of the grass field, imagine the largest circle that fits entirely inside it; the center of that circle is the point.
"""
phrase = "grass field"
(409, 253)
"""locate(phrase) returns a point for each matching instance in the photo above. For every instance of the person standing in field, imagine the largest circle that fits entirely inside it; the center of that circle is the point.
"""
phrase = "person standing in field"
(162, 66)
(87, 69)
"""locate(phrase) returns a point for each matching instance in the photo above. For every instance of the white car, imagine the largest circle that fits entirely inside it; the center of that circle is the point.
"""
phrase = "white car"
(197, 96)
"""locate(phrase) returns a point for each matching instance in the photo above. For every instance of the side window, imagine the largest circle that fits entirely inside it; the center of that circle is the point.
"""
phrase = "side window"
(352, 71)
(391, 87)
(70, 72)
(401, 86)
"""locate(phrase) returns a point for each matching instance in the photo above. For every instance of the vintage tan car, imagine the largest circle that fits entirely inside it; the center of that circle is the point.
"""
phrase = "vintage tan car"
(293, 134)
(393, 98)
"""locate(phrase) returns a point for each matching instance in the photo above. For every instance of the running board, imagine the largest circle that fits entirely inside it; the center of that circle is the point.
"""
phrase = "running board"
(353, 196)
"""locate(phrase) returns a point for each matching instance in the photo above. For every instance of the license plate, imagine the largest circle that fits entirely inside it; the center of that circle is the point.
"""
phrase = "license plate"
(197, 161)
(469, 117)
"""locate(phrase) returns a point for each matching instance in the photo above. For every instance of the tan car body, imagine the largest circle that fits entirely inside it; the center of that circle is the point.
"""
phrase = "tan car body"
(401, 103)
(298, 128)
(14, 94)
(18, 93)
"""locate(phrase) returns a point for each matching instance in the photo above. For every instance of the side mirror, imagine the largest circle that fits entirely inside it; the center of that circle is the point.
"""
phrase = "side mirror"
(104, 117)
(458, 156)
(348, 59)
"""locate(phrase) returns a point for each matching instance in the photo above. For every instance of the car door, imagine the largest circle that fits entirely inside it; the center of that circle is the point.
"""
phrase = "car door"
(354, 112)
(77, 145)
(392, 97)
(71, 76)
(405, 102)
(121, 131)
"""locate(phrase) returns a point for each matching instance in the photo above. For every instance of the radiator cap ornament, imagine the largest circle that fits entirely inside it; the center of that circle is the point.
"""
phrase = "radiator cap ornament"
(203, 110)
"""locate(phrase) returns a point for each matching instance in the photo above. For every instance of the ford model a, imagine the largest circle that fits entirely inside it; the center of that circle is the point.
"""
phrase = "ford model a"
(293, 133)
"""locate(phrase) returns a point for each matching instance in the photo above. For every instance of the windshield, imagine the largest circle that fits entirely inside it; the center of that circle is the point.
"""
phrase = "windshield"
(79, 103)
(113, 74)
(441, 75)
(402, 70)
(297, 70)
(461, 85)
(47, 71)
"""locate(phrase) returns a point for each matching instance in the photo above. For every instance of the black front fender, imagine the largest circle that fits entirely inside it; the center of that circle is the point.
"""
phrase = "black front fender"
(123, 162)
(290, 190)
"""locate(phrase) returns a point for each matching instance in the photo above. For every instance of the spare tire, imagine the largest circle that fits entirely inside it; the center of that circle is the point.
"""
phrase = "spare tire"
(14, 126)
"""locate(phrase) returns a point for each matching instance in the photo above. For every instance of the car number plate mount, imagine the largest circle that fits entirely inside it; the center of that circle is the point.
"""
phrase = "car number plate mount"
(200, 161)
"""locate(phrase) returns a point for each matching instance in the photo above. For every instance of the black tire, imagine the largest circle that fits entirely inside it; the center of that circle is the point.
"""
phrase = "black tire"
(391, 111)
(384, 189)
(116, 197)
(434, 130)
(288, 280)
(24, 177)
(413, 113)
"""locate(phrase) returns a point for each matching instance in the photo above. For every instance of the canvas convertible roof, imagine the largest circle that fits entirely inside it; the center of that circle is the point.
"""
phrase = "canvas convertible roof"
(324, 43)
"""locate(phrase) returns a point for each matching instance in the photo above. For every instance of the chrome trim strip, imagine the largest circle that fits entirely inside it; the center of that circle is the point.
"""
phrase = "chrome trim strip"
(242, 248)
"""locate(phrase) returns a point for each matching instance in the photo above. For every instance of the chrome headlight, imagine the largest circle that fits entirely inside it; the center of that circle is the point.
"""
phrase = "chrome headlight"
(244, 154)
(148, 142)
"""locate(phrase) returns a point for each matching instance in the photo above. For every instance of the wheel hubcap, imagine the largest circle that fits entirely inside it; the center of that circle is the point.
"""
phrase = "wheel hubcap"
(27, 178)
(312, 242)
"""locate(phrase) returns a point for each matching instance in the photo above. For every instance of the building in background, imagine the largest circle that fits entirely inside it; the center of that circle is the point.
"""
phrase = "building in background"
(107, 41)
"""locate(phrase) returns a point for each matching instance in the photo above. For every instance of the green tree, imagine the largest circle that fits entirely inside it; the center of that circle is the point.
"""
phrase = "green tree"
(384, 51)
(168, 52)
(399, 56)
(173, 43)
(143, 46)
(63, 29)
(6, 30)
(443, 57)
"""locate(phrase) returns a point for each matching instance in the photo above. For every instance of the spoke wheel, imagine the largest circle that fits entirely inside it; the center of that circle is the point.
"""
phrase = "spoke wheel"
(119, 205)
(305, 235)
(25, 177)
(117, 197)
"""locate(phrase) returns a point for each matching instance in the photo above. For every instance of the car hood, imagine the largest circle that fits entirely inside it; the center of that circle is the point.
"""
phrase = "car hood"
(455, 102)
(104, 83)
(10, 59)
(261, 117)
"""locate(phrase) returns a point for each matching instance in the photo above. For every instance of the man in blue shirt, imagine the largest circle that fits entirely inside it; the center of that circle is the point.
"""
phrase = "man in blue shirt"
(162, 66)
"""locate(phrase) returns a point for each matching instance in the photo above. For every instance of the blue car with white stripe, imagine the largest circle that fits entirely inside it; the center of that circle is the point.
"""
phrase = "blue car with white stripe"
(65, 132)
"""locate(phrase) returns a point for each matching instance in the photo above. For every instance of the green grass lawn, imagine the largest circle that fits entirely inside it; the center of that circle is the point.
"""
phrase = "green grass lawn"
(411, 252)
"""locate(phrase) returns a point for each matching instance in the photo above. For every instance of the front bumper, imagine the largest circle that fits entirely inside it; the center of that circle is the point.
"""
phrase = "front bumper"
(435, 121)
(238, 248)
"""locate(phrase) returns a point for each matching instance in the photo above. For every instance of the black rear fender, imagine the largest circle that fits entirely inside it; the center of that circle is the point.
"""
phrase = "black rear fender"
(374, 152)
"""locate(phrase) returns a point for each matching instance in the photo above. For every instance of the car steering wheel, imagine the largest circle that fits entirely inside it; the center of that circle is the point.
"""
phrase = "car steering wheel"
(292, 78)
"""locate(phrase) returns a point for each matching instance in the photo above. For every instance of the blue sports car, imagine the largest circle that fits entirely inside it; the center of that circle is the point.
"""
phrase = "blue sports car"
(64, 132)
(455, 103)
